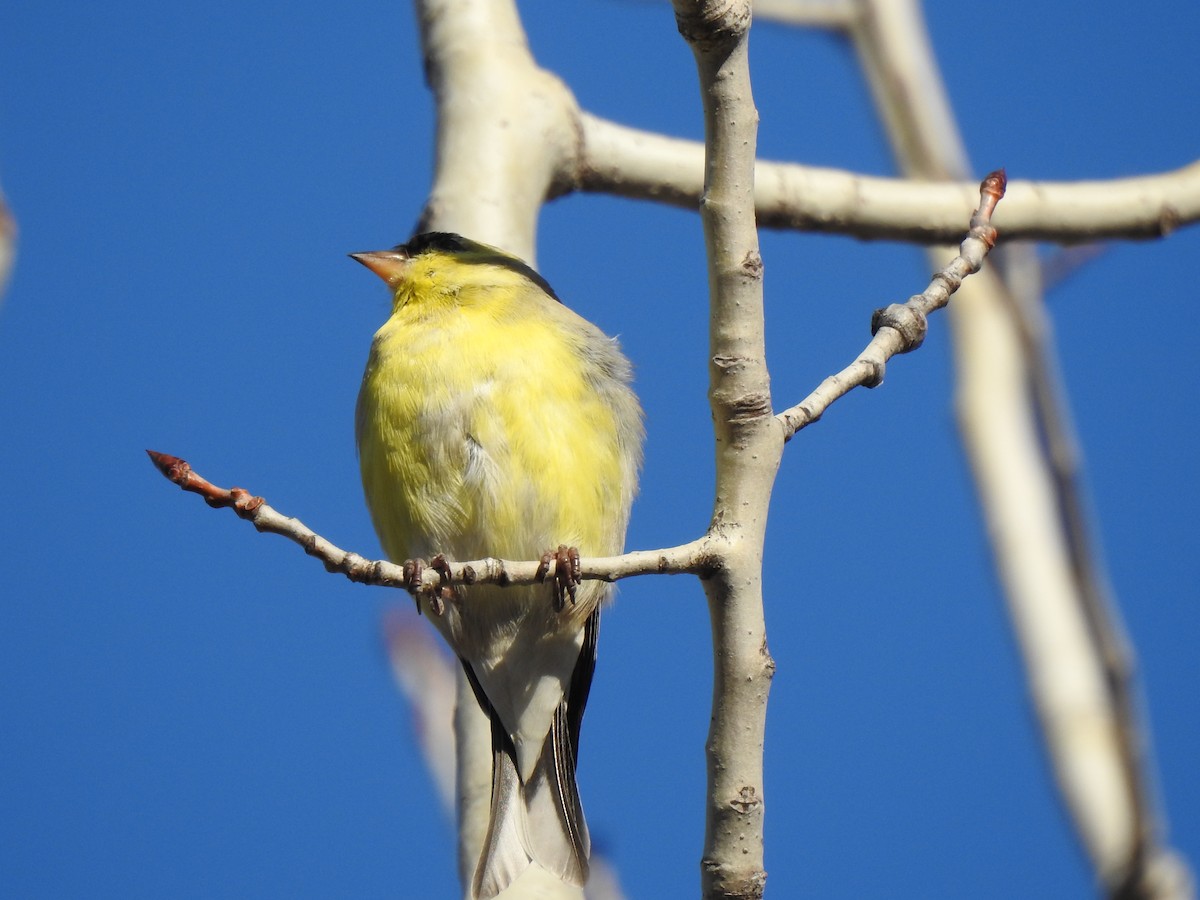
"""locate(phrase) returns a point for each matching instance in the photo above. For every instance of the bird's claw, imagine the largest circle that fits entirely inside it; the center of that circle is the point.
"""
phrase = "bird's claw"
(414, 572)
(567, 577)
(444, 591)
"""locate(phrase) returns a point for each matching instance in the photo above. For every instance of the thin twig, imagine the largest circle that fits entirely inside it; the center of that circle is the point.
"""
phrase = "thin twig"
(690, 558)
(901, 327)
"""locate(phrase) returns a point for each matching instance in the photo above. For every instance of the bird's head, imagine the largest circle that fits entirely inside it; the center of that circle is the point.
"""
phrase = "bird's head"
(443, 264)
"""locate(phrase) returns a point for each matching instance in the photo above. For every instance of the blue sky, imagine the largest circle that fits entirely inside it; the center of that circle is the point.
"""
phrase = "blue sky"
(189, 709)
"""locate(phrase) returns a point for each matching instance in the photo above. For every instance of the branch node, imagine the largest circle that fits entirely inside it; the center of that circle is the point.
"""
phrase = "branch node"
(1169, 218)
(768, 659)
(809, 414)
(714, 24)
(244, 503)
(353, 565)
(752, 264)
(911, 324)
(746, 801)
(877, 369)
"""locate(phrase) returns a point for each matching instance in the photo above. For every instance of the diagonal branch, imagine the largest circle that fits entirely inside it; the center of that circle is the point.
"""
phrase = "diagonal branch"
(901, 328)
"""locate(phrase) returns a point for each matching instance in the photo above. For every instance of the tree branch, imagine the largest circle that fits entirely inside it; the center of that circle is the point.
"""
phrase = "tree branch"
(749, 443)
(693, 558)
(832, 14)
(901, 328)
(491, 178)
(8, 244)
(642, 165)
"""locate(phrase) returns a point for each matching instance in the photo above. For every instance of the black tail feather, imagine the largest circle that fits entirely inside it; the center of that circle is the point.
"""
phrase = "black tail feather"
(542, 820)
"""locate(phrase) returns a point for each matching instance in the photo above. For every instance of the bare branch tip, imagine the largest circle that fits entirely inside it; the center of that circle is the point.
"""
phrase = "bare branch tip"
(991, 189)
(178, 472)
(996, 182)
(172, 467)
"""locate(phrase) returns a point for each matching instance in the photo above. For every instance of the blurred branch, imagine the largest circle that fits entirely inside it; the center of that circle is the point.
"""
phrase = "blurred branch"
(833, 14)
(901, 328)
(642, 165)
(1017, 428)
(8, 244)
(425, 675)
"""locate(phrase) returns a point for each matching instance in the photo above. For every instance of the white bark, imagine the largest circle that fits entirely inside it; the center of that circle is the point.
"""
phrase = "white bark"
(749, 443)
(647, 166)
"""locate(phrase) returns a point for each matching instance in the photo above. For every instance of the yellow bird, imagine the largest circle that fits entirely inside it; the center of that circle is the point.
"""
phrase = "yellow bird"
(493, 421)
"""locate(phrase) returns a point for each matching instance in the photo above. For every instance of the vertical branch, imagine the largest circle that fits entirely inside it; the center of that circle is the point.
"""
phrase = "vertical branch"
(749, 443)
(8, 240)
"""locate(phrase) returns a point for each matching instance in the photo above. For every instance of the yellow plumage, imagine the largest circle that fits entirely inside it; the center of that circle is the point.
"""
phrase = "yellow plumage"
(493, 421)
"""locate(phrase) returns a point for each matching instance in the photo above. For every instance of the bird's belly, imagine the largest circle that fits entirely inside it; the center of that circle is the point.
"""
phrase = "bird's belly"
(486, 450)
(494, 448)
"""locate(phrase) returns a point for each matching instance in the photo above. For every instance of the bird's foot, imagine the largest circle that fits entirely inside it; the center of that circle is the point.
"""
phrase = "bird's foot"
(414, 571)
(566, 573)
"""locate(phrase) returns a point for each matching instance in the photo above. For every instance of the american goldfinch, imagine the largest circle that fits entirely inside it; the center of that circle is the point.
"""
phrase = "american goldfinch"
(493, 421)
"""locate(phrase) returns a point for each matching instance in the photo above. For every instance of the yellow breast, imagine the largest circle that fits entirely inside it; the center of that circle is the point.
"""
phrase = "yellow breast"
(495, 428)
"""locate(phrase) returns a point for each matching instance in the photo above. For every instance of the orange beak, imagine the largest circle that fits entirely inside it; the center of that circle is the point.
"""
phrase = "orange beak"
(389, 265)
